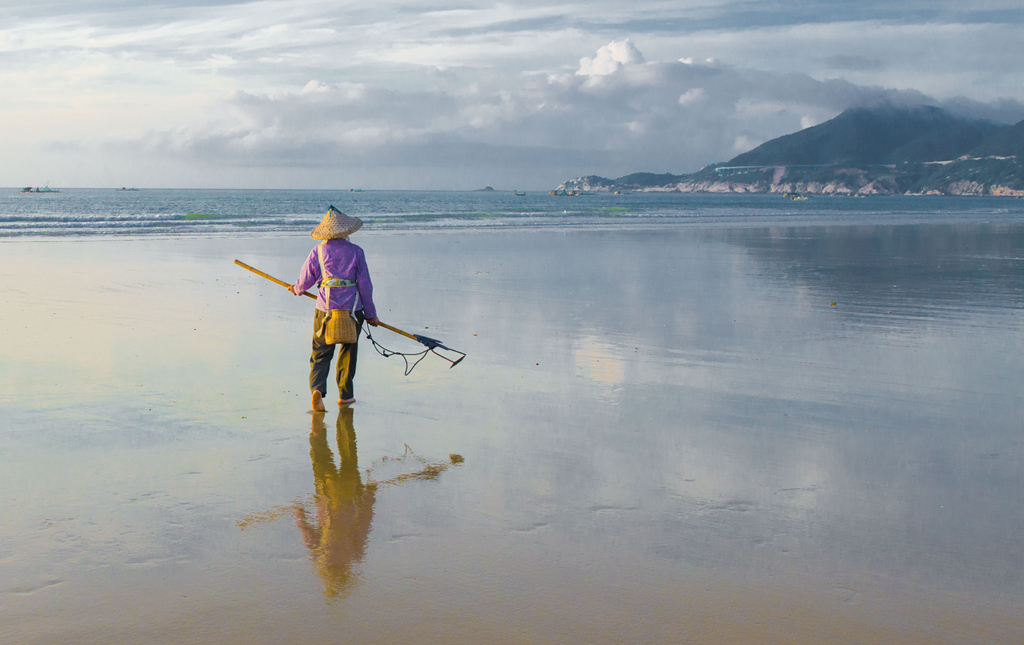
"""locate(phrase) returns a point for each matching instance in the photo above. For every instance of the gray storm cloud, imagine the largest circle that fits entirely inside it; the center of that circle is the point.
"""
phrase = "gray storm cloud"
(399, 94)
(617, 113)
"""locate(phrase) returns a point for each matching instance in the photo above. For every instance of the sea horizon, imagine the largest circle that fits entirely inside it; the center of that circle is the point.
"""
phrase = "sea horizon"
(82, 212)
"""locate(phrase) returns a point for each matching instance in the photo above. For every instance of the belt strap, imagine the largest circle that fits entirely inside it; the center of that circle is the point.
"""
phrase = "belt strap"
(337, 282)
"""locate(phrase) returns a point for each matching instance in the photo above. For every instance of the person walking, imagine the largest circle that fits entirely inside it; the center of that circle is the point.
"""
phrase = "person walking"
(338, 267)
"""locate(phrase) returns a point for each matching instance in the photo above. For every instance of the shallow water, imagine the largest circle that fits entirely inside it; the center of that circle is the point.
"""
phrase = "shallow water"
(669, 435)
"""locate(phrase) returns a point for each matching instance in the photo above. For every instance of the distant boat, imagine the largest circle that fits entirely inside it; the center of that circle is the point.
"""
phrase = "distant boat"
(517, 194)
(568, 193)
(45, 188)
(128, 190)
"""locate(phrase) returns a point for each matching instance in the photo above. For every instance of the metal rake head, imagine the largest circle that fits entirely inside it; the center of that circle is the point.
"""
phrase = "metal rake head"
(433, 345)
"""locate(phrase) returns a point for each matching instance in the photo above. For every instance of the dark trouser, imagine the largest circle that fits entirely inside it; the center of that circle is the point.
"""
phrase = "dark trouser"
(320, 359)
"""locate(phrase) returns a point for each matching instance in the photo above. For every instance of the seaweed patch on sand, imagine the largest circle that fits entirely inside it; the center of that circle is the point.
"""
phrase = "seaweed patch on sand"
(429, 471)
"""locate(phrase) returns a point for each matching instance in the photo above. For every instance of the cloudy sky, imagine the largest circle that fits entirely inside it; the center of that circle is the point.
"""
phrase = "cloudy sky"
(465, 93)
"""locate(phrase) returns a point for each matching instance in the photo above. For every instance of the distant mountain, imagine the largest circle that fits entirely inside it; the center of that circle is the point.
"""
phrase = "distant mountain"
(880, 150)
(885, 135)
(1004, 142)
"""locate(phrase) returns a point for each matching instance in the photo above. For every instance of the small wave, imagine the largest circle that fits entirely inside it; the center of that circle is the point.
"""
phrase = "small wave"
(96, 212)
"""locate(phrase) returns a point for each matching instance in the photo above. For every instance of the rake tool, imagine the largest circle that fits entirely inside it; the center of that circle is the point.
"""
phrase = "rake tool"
(432, 344)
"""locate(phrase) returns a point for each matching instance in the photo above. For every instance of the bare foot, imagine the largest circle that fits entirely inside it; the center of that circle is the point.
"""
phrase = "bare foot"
(318, 401)
(346, 401)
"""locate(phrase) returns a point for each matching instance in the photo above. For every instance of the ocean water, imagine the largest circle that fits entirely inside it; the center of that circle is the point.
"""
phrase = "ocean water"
(85, 212)
(710, 419)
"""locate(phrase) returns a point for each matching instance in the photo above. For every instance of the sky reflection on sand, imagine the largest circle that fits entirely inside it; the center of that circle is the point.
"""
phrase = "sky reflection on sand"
(668, 435)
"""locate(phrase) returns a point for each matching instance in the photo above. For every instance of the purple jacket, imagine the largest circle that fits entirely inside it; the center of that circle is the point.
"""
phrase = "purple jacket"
(343, 259)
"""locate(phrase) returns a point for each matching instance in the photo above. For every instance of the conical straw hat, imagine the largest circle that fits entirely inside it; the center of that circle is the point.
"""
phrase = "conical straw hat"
(336, 224)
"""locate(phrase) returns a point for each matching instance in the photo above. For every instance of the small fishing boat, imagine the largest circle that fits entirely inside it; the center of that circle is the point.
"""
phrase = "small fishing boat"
(518, 194)
(45, 188)
(568, 193)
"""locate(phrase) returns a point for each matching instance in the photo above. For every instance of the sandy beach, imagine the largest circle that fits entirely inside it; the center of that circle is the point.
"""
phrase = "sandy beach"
(718, 435)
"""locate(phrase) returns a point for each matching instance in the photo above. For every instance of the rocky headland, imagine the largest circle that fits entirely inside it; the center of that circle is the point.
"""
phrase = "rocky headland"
(865, 151)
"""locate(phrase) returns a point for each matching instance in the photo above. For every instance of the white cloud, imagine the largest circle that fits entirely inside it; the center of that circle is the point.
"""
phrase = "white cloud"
(664, 117)
(744, 142)
(610, 59)
(314, 86)
(466, 92)
(691, 96)
(807, 121)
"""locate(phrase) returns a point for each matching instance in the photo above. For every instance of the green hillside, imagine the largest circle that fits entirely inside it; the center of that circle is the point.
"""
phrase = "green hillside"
(885, 135)
(863, 151)
(1004, 142)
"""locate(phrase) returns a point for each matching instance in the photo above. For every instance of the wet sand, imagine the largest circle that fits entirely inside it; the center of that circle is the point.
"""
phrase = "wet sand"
(668, 436)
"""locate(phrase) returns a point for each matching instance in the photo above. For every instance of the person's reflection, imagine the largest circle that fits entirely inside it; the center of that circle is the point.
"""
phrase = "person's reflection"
(336, 537)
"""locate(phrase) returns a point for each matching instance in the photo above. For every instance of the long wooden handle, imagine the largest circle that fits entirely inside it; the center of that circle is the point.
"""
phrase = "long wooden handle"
(306, 293)
(398, 331)
(272, 278)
